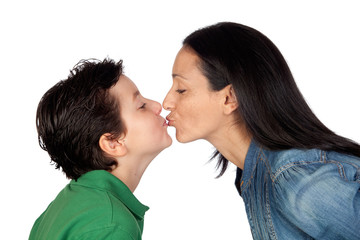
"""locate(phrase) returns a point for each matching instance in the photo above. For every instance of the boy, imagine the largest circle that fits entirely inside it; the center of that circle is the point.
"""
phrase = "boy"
(102, 133)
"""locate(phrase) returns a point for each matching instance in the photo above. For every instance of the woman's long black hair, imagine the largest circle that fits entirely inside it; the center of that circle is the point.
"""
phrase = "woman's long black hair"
(270, 103)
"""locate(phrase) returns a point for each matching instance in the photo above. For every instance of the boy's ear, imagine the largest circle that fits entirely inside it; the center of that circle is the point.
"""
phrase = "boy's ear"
(230, 103)
(112, 147)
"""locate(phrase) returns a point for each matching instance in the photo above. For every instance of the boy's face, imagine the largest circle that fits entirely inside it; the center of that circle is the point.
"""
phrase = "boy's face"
(146, 130)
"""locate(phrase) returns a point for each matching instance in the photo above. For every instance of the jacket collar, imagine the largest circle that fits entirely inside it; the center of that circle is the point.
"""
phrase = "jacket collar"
(243, 176)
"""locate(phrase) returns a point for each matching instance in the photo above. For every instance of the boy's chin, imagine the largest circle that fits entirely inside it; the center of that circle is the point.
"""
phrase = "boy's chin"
(168, 144)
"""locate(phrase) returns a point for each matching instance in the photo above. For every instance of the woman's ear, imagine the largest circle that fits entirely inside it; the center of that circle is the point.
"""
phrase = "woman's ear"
(112, 147)
(230, 102)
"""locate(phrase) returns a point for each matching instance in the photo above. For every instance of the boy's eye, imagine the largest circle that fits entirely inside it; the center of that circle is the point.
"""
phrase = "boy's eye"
(143, 106)
(180, 91)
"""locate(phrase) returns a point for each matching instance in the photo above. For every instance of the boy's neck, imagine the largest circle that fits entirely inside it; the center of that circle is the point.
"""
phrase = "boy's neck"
(130, 171)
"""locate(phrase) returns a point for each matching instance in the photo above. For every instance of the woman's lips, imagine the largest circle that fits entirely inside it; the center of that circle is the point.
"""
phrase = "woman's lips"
(170, 121)
(165, 123)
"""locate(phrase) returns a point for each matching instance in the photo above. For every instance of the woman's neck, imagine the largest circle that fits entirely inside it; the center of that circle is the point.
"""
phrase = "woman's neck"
(233, 143)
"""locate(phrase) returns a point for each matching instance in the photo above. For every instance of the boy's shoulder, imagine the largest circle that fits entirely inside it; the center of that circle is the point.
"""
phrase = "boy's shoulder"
(80, 209)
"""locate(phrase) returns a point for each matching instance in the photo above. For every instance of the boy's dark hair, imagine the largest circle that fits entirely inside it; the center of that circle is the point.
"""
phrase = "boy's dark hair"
(73, 115)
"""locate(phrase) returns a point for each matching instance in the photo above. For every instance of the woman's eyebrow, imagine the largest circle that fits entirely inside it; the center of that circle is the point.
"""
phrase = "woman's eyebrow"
(174, 75)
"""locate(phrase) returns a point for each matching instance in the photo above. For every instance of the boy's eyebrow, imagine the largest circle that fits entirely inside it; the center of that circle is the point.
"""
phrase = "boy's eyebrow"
(135, 94)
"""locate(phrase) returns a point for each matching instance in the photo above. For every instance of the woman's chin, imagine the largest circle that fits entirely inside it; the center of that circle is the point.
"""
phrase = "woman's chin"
(184, 139)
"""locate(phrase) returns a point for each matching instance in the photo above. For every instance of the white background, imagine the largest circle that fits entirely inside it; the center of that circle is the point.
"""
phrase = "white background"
(42, 40)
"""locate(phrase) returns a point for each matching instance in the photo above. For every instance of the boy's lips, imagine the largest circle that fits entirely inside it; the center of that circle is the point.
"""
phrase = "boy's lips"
(165, 123)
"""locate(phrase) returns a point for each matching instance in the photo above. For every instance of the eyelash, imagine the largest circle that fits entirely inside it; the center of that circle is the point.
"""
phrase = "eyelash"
(180, 91)
(143, 106)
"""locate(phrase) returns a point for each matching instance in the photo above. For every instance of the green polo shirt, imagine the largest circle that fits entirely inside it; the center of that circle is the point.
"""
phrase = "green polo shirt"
(96, 206)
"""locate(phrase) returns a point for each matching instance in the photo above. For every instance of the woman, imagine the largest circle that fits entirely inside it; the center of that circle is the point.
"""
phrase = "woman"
(298, 179)
(103, 134)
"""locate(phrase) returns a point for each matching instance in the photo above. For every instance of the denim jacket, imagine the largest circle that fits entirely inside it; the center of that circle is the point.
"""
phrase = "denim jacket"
(300, 194)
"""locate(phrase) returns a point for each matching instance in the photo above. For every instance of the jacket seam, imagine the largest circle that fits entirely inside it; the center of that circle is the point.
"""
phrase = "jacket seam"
(340, 168)
(242, 188)
(258, 157)
(264, 159)
(268, 209)
(290, 165)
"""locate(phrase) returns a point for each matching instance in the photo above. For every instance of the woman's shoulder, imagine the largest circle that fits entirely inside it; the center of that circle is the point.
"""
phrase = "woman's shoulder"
(285, 159)
(317, 190)
(312, 160)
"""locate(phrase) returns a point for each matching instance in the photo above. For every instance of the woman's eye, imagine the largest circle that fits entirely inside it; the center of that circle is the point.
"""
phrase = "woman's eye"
(143, 106)
(180, 91)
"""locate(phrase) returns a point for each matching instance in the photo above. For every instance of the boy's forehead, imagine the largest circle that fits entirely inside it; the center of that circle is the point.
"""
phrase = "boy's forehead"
(127, 83)
(125, 89)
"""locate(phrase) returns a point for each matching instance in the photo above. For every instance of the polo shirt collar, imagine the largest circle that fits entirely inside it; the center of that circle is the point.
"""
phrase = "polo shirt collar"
(103, 180)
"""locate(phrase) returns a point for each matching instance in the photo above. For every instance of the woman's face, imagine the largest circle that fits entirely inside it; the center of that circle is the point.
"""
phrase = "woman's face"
(196, 111)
